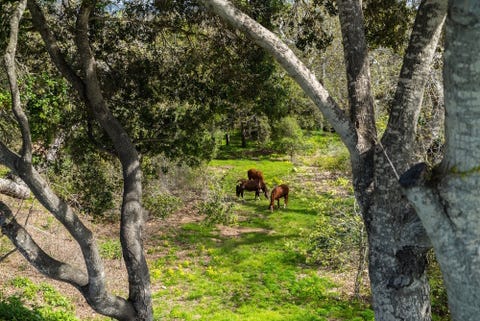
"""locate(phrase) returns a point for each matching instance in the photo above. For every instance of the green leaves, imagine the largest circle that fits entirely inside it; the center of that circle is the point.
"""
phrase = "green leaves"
(47, 103)
(388, 23)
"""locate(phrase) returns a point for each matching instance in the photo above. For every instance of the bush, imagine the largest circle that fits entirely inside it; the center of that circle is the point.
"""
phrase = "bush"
(289, 137)
(264, 131)
(337, 234)
(91, 183)
(216, 206)
(161, 205)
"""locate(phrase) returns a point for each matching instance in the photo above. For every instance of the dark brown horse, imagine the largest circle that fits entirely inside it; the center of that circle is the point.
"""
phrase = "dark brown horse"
(277, 193)
(254, 174)
(251, 185)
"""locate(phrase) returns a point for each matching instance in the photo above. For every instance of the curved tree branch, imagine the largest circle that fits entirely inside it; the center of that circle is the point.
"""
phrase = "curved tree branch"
(35, 255)
(41, 25)
(132, 213)
(10, 188)
(9, 59)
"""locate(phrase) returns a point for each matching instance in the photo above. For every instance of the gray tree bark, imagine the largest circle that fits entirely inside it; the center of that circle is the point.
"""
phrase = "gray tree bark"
(397, 240)
(446, 199)
(90, 283)
(13, 189)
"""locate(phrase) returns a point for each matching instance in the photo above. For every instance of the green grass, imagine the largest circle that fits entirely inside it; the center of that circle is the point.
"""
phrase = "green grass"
(258, 274)
(262, 273)
(39, 302)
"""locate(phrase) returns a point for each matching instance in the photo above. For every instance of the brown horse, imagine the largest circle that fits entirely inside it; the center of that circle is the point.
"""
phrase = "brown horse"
(251, 185)
(254, 174)
(277, 193)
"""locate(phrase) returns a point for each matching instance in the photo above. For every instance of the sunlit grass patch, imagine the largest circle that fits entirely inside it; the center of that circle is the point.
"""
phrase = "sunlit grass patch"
(33, 302)
(257, 268)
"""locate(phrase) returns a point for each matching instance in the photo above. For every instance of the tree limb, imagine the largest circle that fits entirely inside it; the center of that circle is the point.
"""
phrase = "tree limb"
(35, 255)
(10, 188)
(362, 112)
(405, 110)
(41, 25)
(132, 213)
(360, 98)
(9, 59)
(426, 202)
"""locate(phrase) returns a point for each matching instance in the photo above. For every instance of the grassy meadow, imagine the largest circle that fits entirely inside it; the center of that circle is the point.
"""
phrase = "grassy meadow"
(219, 258)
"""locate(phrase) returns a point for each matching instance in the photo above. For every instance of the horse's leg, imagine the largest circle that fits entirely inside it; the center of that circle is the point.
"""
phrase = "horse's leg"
(286, 201)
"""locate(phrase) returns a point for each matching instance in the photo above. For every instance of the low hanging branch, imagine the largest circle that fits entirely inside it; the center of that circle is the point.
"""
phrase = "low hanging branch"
(35, 255)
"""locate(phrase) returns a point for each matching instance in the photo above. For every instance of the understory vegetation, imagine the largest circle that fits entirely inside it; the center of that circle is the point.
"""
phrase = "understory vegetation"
(215, 257)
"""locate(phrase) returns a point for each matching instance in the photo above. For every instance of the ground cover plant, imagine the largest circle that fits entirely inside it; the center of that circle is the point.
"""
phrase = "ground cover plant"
(244, 263)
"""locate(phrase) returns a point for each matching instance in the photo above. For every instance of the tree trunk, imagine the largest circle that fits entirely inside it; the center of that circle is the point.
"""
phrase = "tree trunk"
(397, 240)
(244, 136)
(447, 200)
(133, 215)
(397, 274)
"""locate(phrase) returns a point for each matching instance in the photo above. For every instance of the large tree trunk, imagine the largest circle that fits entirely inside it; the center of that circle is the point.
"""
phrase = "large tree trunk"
(397, 240)
(397, 275)
(448, 200)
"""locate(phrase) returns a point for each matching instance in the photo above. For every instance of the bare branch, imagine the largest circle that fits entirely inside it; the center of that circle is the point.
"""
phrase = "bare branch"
(10, 188)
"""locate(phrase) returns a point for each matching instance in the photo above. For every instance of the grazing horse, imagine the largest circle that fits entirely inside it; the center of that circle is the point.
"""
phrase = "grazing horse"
(277, 193)
(254, 174)
(251, 185)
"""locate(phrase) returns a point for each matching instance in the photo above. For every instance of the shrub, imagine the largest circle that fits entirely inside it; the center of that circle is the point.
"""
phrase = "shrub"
(289, 137)
(216, 206)
(161, 205)
(337, 234)
(91, 183)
